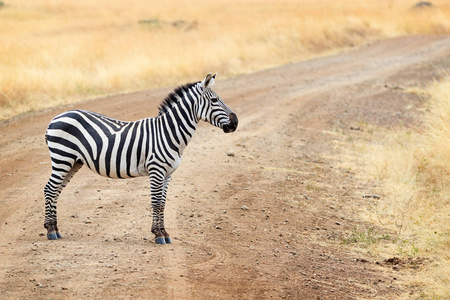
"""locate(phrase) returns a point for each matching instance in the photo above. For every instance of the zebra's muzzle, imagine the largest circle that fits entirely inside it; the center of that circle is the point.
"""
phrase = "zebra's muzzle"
(231, 127)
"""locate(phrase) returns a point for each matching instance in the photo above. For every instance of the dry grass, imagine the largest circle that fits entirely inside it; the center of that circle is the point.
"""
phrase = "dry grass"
(55, 52)
(413, 171)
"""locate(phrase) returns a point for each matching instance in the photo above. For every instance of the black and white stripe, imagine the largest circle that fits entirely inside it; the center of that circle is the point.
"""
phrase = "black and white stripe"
(149, 147)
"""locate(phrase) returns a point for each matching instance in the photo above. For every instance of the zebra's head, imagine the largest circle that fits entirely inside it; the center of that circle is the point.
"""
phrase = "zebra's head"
(213, 110)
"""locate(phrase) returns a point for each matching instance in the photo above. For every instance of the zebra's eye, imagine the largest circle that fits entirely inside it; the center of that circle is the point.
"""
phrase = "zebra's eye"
(213, 99)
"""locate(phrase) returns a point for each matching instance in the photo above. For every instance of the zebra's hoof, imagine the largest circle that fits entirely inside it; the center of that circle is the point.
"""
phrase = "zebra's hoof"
(160, 241)
(58, 235)
(52, 236)
(168, 240)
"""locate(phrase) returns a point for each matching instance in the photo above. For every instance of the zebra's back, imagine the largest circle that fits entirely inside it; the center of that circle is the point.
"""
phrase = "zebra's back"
(107, 146)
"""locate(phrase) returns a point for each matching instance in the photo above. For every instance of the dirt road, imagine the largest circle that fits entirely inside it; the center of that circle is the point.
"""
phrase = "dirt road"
(256, 214)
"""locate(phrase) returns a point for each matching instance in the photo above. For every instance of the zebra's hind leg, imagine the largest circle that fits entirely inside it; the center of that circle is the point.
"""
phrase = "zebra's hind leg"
(57, 181)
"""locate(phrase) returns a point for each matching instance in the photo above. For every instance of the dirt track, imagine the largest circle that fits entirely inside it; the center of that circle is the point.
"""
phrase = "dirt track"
(255, 214)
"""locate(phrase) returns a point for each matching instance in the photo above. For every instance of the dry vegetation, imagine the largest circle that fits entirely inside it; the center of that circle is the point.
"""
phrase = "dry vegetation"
(57, 52)
(413, 171)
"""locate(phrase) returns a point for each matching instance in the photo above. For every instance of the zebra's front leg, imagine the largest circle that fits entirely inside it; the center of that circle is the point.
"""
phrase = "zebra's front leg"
(167, 238)
(158, 186)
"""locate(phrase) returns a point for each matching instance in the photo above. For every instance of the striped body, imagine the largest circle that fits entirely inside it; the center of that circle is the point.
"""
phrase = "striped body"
(149, 147)
(113, 148)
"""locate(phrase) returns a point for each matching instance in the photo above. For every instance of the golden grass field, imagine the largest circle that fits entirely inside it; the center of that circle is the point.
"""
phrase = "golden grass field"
(55, 52)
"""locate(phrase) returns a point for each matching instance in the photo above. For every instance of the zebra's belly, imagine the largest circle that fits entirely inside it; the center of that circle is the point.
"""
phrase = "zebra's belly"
(124, 173)
(114, 168)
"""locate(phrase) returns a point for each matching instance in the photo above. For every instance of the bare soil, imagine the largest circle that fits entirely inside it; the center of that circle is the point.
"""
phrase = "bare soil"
(260, 213)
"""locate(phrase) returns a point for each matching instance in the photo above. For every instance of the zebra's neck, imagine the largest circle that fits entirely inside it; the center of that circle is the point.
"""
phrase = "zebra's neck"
(179, 121)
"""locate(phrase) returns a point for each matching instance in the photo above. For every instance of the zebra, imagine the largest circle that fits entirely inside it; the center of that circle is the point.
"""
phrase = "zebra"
(149, 147)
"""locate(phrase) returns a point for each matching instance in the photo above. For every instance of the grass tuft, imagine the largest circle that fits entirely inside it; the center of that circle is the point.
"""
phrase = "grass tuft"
(366, 237)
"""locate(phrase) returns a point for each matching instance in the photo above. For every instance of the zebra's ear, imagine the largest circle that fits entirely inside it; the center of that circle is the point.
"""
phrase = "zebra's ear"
(208, 81)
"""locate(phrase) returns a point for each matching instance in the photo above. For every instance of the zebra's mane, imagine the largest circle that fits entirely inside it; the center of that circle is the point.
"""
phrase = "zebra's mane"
(174, 97)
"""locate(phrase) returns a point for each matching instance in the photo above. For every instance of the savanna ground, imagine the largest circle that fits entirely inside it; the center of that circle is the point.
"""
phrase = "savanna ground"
(276, 209)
